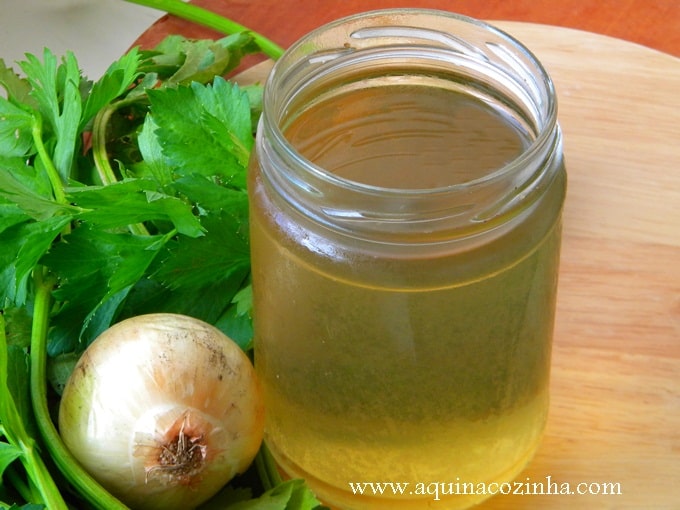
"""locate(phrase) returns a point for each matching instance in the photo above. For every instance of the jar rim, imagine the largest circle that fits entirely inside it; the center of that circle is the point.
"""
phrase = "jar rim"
(537, 79)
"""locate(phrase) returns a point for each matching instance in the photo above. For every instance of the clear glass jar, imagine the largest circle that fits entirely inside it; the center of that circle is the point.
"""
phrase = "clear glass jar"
(406, 192)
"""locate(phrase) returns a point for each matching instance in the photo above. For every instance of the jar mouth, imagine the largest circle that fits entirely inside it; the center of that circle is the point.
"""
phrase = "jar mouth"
(405, 33)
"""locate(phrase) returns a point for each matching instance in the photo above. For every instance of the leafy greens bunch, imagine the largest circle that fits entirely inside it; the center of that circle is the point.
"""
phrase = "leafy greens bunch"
(118, 197)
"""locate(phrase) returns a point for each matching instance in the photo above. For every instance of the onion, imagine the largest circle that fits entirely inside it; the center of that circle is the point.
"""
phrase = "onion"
(163, 410)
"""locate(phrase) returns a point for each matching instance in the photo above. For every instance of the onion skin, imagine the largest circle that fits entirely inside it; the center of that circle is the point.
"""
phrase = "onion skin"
(163, 410)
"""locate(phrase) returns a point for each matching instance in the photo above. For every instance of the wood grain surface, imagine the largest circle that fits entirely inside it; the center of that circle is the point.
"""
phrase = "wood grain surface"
(653, 23)
(615, 408)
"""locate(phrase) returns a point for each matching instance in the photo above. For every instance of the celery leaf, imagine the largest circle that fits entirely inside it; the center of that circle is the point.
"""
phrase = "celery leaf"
(23, 245)
(96, 269)
(56, 88)
(224, 250)
(205, 129)
(116, 80)
(15, 130)
(133, 201)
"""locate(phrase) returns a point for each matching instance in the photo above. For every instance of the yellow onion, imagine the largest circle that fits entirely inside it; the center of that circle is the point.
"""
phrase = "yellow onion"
(163, 410)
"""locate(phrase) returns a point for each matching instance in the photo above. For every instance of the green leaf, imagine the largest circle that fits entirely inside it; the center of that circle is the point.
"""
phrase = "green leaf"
(255, 99)
(195, 263)
(96, 270)
(152, 153)
(180, 60)
(59, 370)
(18, 323)
(209, 195)
(229, 104)
(198, 276)
(56, 88)
(22, 247)
(244, 300)
(289, 495)
(133, 201)
(237, 322)
(10, 215)
(207, 303)
(238, 327)
(17, 88)
(8, 454)
(66, 331)
(203, 61)
(206, 59)
(120, 75)
(27, 189)
(164, 60)
(18, 385)
(15, 130)
(13, 392)
(205, 129)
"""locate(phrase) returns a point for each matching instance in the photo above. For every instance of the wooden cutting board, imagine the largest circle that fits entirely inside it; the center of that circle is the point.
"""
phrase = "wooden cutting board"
(615, 408)
(615, 414)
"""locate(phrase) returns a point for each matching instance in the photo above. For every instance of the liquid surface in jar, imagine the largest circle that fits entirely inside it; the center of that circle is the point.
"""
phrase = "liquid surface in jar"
(406, 136)
(402, 383)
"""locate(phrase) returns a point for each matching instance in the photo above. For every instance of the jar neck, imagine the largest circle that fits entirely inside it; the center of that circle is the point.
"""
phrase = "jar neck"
(430, 48)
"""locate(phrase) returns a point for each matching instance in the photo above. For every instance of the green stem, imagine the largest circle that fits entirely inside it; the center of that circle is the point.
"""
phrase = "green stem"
(211, 20)
(101, 159)
(15, 432)
(100, 154)
(62, 457)
(52, 173)
(267, 469)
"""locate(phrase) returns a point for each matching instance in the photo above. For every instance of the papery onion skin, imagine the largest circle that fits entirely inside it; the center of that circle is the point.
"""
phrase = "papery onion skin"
(163, 410)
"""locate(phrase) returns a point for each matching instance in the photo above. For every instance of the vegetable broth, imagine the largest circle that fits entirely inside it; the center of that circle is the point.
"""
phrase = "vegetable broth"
(402, 368)
(406, 136)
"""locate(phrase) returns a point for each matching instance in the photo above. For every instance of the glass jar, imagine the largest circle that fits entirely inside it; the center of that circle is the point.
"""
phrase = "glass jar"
(406, 191)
